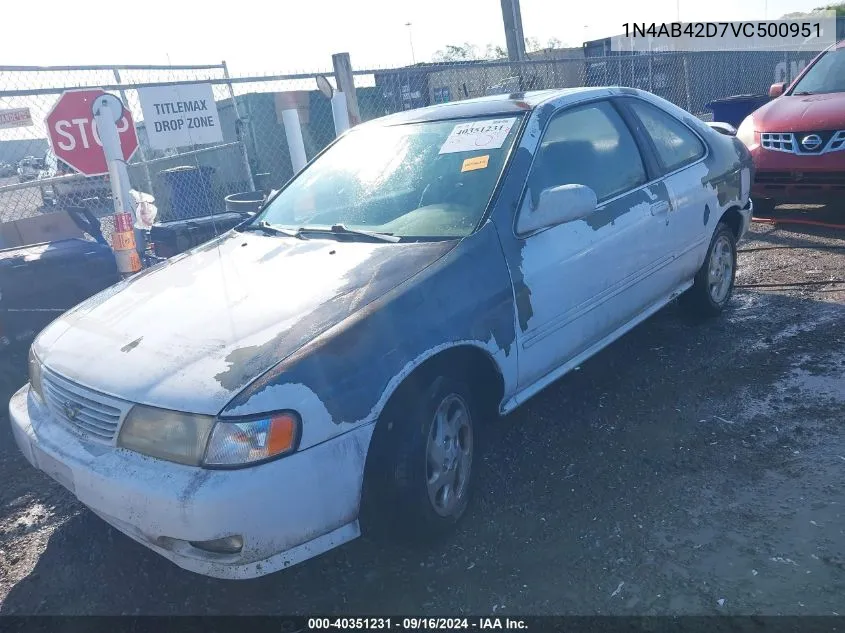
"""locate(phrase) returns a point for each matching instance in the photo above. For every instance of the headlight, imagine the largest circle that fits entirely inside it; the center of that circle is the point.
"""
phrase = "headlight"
(249, 441)
(171, 435)
(35, 374)
(201, 440)
(746, 133)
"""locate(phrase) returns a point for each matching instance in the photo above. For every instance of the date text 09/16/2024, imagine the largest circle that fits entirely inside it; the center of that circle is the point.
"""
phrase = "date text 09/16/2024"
(416, 624)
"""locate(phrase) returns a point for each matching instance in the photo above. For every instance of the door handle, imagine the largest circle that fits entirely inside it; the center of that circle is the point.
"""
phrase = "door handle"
(660, 208)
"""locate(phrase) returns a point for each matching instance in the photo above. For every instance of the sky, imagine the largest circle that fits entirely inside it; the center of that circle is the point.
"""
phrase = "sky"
(266, 37)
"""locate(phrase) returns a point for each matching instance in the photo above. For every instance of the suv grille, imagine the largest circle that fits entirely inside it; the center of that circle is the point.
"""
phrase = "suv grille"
(804, 142)
(95, 415)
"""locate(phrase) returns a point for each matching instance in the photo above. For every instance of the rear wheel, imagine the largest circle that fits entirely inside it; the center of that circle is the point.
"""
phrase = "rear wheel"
(714, 282)
(420, 477)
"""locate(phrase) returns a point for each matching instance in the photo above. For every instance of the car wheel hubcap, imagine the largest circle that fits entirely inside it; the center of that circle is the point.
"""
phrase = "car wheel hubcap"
(449, 455)
(721, 270)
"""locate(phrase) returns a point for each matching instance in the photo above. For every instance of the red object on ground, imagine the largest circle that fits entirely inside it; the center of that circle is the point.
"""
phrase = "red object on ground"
(73, 133)
(787, 220)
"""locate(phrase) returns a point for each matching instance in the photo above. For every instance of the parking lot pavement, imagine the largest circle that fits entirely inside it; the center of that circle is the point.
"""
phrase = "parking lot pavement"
(688, 468)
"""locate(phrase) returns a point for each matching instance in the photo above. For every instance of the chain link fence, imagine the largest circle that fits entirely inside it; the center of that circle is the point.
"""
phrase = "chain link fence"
(200, 180)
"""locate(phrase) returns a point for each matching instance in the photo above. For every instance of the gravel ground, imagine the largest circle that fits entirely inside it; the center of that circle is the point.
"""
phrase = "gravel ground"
(690, 468)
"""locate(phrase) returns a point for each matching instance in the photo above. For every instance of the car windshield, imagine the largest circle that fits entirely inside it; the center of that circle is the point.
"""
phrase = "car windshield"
(416, 181)
(826, 75)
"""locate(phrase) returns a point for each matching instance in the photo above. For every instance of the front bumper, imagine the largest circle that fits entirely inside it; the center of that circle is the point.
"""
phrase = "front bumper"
(286, 511)
(784, 177)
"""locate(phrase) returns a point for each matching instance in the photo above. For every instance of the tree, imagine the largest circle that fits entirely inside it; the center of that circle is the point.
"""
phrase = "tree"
(469, 51)
(495, 51)
(839, 8)
(456, 52)
(532, 44)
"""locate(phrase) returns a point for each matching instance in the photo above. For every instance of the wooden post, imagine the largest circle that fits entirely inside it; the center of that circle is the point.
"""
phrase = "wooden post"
(346, 84)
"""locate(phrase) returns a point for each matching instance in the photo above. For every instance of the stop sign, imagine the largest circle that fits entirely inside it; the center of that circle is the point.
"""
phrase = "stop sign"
(73, 132)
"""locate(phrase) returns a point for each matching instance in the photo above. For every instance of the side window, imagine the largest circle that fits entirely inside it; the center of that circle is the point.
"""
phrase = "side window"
(587, 145)
(675, 143)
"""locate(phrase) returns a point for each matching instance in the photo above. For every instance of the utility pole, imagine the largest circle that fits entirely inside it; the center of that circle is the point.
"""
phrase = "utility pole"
(514, 37)
(411, 40)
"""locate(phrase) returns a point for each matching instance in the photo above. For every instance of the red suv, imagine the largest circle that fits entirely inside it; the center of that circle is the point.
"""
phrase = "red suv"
(798, 139)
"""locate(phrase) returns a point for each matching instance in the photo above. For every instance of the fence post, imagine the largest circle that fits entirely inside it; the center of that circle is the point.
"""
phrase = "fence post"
(650, 69)
(141, 151)
(346, 84)
(686, 85)
(239, 128)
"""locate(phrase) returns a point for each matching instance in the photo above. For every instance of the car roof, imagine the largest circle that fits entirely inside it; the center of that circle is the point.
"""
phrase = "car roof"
(492, 105)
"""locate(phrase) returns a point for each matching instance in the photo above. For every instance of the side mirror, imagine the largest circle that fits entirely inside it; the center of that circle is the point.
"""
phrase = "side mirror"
(723, 128)
(776, 90)
(557, 205)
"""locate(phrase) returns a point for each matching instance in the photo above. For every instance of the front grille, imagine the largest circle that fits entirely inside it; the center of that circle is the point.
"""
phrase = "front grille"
(93, 414)
(793, 142)
(778, 142)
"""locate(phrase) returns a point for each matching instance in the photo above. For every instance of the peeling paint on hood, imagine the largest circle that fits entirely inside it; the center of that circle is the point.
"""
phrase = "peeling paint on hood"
(191, 334)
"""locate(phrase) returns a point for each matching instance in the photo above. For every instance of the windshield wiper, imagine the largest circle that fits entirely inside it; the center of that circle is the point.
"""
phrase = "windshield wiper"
(341, 229)
(273, 230)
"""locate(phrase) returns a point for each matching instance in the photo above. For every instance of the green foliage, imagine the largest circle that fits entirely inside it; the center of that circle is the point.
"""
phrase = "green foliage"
(469, 51)
(839, 8)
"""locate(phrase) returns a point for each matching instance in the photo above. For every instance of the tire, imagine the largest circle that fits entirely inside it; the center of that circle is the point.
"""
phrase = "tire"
(420, 472)
(711, 291)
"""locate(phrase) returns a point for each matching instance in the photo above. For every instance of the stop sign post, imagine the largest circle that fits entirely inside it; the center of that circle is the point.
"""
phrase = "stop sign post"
(73, 132)
(94, 133)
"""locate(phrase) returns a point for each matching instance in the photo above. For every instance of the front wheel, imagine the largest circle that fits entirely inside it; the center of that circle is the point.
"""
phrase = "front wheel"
(714, 281)
(427, 447)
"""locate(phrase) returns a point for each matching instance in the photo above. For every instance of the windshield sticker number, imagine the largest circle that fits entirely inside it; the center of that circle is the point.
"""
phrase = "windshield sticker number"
(468, 137)
(478, 162)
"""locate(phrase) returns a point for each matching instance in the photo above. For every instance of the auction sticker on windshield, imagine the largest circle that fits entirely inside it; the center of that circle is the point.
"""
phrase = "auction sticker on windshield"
(468, 137)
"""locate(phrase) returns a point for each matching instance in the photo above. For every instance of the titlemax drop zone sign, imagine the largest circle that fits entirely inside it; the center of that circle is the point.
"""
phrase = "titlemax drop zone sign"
(178, 116)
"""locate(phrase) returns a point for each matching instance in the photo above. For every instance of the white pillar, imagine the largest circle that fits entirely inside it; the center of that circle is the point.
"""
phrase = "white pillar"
(340, 113)
(106, 119)
(293, 132)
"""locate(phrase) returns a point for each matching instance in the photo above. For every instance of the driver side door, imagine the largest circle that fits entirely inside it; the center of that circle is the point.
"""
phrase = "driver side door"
(590, 277)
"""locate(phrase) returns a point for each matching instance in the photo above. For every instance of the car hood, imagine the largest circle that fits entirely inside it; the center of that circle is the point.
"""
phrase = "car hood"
(190, 334)
(802, 113)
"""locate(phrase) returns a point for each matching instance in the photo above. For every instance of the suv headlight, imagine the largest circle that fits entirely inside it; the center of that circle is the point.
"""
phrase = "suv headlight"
(202, 440)
(35, 374)
(746, 133)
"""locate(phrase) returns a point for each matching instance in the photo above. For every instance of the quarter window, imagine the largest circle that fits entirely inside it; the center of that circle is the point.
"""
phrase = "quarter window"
(587, 145)
(675, 143)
